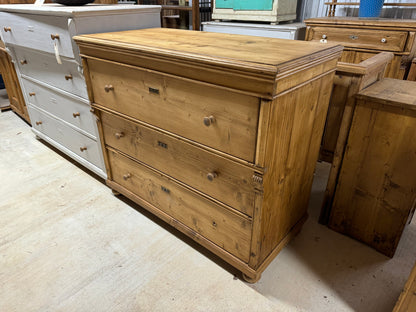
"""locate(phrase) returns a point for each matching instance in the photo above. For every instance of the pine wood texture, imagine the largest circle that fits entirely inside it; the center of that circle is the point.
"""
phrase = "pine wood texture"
(349, 80)
(407, 299)
(412, 71)
(363, 38)
(239, 182)
(376, 188)
(8, 72)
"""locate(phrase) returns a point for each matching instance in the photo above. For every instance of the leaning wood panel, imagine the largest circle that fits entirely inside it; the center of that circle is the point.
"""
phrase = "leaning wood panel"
(12, 84)
(376, 188)
(349, 80)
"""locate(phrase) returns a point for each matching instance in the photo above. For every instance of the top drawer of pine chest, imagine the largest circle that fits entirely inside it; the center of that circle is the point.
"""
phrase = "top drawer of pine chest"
(209, 115)
(39, 32)
(373, 39)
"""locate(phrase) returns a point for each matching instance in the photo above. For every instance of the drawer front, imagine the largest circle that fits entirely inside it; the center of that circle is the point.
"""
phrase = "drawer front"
(224, 228)
(218, 118)
(374, 39)
(223, 179)
(63, 134)
(41, 66)
(75, 112)
(37, 32)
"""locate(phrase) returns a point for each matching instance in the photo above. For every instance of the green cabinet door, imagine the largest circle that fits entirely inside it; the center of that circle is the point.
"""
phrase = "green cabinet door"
(224, 4)
(254, 5)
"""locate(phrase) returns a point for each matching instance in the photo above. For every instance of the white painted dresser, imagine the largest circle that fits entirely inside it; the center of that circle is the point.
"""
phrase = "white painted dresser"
(50, 70)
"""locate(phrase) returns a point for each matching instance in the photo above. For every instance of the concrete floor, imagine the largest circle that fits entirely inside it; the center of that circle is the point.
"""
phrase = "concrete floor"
(68, 244)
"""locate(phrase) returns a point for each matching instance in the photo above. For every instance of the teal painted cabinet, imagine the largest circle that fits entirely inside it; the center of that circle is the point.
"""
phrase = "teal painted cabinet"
(224, 4)
(254, 5)
(273, 11)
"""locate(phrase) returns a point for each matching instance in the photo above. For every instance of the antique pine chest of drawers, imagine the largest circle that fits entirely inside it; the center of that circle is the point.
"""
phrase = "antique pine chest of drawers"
(363, 38)
(49, 67)
(216, 134)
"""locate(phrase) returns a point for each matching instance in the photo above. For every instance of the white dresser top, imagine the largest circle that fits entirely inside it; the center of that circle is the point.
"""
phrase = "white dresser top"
(74, 11)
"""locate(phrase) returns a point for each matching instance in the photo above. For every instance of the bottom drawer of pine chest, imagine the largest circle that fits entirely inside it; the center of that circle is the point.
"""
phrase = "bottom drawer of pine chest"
(227, 229)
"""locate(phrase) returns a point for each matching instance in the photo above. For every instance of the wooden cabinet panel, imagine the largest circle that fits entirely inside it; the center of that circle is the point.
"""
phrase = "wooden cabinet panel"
(376, 188)
(224, 228)
(218, 118)
(219, 177)
(14, 92)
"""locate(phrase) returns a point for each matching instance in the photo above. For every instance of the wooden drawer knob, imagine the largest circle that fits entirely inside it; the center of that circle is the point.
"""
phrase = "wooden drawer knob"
(32, 94)
(68, 77)
(108, 88)
(23, 62)
(38, 123)
(127, 176)
(83, 148)
(54, 36)
(76, 114)
(212, 175)
(208, 121)
(6, 29)
(383, 40)
(119, 135)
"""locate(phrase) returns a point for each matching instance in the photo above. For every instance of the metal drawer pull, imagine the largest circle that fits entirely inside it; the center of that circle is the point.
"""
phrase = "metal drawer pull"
(23, 62)
(161, 144)
(32, 94)
(119, 135)
(127, 176)
(164, 189)
(53, 37)
(208, 121)
(353, 37)
(68, 77)
(6, 29)
(82, 149)
(108, 88)
(154, 90)
(76, 114)
(212, 175)
(38, 123)
(383, 40)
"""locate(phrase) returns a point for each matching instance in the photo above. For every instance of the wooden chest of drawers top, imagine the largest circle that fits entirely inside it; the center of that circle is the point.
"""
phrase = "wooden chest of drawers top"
(370, 34)
(210, 57)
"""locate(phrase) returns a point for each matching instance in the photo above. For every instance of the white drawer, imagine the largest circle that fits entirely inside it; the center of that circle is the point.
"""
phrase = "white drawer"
(42, 66)
(62, 105)
(34, 31)
(63, 134)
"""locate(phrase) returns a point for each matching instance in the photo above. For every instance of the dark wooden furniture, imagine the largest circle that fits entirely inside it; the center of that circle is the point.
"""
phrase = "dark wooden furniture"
(349, 80)
(216, 134)
(375, 191)
(363, 38)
